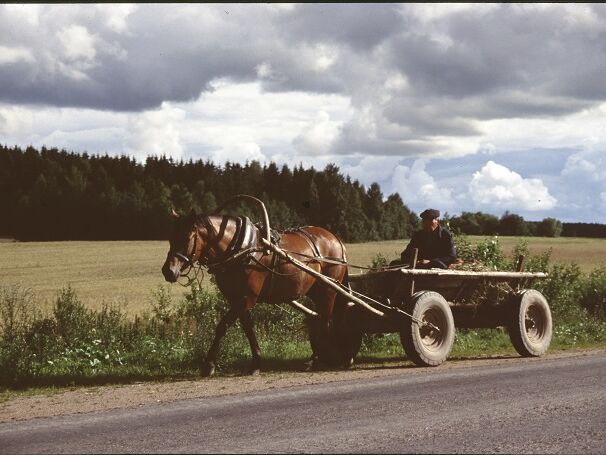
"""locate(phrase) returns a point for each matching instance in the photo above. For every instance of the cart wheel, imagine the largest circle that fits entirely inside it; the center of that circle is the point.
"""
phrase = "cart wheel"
(425, 345)
(531, 328)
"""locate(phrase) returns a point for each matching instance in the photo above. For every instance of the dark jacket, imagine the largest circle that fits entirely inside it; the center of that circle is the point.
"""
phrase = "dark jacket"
(437, 246)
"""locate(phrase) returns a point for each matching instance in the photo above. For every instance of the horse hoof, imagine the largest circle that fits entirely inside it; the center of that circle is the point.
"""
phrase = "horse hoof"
(348, 363)
(313, 365)
(255, 372)
(208, 369)
(309, 365)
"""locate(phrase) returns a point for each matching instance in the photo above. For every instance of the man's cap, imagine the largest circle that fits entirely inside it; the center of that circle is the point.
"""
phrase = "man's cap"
(430, 214)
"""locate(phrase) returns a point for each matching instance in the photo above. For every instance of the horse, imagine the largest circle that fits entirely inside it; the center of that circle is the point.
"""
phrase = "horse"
(247, 272)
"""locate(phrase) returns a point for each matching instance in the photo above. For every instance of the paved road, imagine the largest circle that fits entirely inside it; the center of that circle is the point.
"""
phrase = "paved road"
(543, 406)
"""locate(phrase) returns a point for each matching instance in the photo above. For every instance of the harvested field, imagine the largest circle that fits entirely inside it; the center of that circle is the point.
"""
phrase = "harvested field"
(126, 272)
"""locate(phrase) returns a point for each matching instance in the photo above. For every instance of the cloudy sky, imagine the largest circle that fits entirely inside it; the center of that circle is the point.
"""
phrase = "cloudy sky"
(458, 107)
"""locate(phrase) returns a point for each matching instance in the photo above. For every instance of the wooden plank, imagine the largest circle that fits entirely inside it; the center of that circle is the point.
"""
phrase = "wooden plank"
(463, 274)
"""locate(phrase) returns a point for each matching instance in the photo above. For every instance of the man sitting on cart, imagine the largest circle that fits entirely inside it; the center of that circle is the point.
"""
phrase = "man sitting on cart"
(435, 244)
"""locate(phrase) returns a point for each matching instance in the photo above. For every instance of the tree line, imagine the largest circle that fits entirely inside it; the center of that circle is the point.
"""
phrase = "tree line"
(480, 223)
(51, 194)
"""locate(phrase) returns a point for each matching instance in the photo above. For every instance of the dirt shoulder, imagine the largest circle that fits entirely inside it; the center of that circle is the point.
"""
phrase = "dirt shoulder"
(91, 399)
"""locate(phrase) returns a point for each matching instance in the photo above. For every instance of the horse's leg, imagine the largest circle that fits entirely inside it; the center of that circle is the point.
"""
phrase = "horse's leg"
(208, 367)
(320, 335)
(312, 324)
(247, 325)
(327, 340)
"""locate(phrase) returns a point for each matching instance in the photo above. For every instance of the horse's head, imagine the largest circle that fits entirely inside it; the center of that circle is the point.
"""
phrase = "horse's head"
(185, 246)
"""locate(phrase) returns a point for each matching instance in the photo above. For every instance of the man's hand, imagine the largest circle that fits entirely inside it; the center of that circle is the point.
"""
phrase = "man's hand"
(423, 261)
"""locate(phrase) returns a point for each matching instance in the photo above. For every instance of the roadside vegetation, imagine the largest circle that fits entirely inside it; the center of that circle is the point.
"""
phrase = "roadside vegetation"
(73, 344)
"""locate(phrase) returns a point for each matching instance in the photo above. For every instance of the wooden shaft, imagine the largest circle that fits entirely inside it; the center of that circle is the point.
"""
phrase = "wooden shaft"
(302, 308)
(321, 277)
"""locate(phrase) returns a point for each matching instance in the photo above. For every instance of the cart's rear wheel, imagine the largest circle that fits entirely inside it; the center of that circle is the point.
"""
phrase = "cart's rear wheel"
(429, 342)
(531, 328)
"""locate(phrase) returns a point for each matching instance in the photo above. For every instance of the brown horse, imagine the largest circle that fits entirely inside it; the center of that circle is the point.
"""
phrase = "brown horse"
(246, 272)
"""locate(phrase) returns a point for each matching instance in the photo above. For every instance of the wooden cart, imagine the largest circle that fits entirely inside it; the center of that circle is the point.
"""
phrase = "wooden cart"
(425, 306)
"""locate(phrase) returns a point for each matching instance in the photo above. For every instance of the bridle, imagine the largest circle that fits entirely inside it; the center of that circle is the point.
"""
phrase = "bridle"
(188, 257)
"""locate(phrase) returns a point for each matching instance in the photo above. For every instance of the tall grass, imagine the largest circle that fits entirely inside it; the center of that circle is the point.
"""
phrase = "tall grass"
(77, 345)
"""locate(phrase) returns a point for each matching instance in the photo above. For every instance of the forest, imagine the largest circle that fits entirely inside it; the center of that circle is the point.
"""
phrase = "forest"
(51, 194)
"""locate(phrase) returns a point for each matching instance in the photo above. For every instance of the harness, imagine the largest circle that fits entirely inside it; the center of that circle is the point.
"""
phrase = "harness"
(243, 247)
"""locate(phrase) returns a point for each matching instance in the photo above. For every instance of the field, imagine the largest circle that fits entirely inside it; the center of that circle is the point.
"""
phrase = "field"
(126, 272)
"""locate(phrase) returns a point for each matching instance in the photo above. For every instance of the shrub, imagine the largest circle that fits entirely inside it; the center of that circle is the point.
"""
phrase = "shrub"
(75, 322)
(162, 304)
(379, 261)
(593, 293)
(487, 254)
(490, 253)
(532, 263)
(17, 314)
(561, 289)
(17, 310)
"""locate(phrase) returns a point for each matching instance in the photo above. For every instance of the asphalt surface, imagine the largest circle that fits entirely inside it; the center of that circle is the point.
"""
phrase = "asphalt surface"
(543, 406)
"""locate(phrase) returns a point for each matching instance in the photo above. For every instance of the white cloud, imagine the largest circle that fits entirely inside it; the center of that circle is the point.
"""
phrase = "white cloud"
(15, 121)
(370, 168)
(583, 183)
(428, 12)
(581, 129)
(10, 55)
(587, 165)
(419, 189)
(325, 57)
(495, 186)
(155, 133)
(116, 16)
(238, 152)
(77, 43)
(70, 128)
(318, 136)
(241, 120)
(266, 72)
(29, 13)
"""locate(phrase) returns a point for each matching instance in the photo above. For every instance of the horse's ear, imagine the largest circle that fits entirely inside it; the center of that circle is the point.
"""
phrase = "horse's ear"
(174, 214)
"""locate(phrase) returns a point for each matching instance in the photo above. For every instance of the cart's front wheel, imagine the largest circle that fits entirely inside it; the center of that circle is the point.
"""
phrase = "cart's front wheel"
(428, 337)
(531, 328)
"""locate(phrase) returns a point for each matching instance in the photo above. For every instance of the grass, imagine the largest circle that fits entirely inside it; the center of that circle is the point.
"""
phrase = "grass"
(124, 272)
